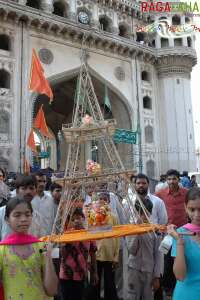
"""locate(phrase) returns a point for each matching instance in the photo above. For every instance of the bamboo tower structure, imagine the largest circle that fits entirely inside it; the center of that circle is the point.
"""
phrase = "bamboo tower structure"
(80, 136)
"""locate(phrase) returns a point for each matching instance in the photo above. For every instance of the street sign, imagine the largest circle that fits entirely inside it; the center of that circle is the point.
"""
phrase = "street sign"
(43, 154)
(125, 136)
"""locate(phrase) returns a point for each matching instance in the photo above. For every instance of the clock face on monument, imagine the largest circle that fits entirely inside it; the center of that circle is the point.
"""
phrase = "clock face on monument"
(83, 17)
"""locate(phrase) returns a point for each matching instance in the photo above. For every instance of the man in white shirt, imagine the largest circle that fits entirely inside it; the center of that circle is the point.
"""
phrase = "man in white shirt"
(141, 185)
(43, 207)
(161, 184)
(159, 213)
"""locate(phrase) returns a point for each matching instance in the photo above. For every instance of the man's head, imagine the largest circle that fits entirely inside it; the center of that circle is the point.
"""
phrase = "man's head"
(2, 175)
(193, 178)
(76, 219)
(103, 198)
(90, 190)
(56, 190)
(173, 179)
(141, 184)
(41, 182)
(162, 178)
(132, 178)
(185, 173)
(26, 186)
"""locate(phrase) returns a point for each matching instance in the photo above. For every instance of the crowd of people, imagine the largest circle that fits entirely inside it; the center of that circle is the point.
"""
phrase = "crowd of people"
(129, 268)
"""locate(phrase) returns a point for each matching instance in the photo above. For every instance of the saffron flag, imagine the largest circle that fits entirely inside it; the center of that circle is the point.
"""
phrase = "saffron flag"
(40, 123)
(38, 83)
(26, 168)
(31, 141)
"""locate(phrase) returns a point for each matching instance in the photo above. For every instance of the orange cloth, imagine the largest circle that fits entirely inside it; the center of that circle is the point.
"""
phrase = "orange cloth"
(117, 231)
(31, 141)
(40, 123)
(26, 168)
(38, 83)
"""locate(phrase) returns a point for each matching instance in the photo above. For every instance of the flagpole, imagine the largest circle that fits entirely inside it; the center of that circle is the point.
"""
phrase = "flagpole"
(22, 144)
(104, 104)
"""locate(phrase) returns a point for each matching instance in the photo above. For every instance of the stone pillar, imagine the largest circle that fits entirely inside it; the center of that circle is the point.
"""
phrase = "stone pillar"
(115, 28)
(184, 41)
(169, 18)
(95, 17)
(171, 42)
(175, 120)
(72, 10)
(47, 6)
(23, 2)
(193, 41)
(183, 20)
(158, 42)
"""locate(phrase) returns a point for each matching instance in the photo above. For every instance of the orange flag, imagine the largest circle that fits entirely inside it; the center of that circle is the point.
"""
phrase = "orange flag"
(40, 123)
(26, 168)
(31, 141)
(38, 83)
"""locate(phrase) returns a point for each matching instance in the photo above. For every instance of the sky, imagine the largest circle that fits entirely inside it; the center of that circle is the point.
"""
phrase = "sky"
(195, 92)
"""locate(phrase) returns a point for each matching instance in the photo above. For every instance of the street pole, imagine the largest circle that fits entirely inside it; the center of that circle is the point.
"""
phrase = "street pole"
(140, 162)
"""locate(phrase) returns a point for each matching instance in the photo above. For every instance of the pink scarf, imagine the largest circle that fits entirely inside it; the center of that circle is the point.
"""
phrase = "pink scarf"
(191, 227)
(19, 239)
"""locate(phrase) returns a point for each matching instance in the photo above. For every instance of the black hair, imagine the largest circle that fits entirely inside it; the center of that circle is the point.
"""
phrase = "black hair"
(141, 176)
(13, 202)
(40, 174)
(185, 173)
(147, 204)
(132, 177)
(25, 180)
(54, 186)
(3, 172)
(173, 172)
(192, 194)
(104, 195)
(77, 212)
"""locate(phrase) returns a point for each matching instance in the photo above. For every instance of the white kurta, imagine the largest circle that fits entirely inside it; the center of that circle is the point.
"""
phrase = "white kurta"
(43, 215)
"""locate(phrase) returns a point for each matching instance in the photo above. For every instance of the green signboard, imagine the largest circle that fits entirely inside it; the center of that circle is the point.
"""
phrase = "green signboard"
(43, 154)
(125, 136)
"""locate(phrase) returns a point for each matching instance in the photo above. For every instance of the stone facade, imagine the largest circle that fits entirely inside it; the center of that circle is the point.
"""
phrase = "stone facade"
(148, 78)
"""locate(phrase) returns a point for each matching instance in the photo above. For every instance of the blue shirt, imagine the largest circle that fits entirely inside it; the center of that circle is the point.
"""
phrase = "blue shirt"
(186, 183)
(189, 288)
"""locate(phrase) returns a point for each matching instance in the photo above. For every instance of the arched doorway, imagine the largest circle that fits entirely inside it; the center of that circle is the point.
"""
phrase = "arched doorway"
(46, 151)
(60, 112)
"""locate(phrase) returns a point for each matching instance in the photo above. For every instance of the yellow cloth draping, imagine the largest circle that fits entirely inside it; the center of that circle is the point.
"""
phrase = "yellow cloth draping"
(117, 231)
